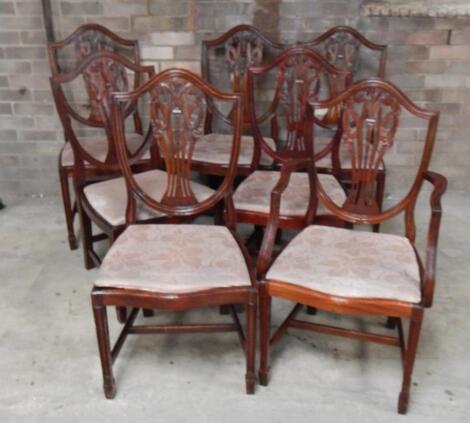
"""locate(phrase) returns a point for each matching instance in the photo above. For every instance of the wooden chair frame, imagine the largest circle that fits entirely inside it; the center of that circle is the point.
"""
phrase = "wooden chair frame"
(177, 207)
(82, 175)
(66, 172)
(395, 310)
(284, 159)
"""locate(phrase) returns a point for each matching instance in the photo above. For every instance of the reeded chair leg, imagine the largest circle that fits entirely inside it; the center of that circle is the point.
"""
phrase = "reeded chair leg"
(102, 334)
(410, 355)
(265, 333)
(68, 208)
(87, 240)
(250, 344)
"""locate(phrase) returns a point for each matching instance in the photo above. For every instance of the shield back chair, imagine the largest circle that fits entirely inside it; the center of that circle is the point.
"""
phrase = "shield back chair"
(175, 266)
(346, 48)
(102, 201)
(224, 64)
(64, 57)
(357, 272)
(300, 75)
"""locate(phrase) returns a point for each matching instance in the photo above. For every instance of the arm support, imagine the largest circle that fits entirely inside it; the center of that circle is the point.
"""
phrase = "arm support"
(440, 185)
(265, 254)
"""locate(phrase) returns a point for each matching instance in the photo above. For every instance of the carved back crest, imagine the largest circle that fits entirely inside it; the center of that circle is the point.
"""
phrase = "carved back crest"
(177, 114)
(370, 120)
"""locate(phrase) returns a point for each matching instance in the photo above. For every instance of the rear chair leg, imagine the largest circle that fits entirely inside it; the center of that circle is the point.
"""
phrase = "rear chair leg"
(148, 312)
(121, 314)
(102, 333)
(265, 332)
(68, 208)
(87, 240)
(410, 355)
(380, 190)
(250, 344)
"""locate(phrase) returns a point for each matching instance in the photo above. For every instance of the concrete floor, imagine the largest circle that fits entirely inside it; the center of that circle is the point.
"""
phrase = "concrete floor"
(49, 366)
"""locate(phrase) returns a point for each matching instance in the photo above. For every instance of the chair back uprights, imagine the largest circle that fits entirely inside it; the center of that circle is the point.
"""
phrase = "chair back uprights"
(177, 103)
(372, 111)
(103, 73)
(300, 75)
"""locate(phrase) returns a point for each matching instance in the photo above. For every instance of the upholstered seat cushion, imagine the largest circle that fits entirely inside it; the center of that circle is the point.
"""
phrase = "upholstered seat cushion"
(254, 193)
(174, 259)
(350, 263)
(109, 198)
(98, 147)
(216, 149)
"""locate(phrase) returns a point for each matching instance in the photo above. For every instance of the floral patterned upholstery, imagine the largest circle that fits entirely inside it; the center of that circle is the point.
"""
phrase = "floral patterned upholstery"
(350, 263)
(98, 147)
(174, 259)
(216, 149)
(254, 193)
(109, 198)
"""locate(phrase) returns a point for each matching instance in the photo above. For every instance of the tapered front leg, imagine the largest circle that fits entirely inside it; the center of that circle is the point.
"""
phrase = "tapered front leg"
(102, 334)
(410, 355)
(265, 333)
(250, 343)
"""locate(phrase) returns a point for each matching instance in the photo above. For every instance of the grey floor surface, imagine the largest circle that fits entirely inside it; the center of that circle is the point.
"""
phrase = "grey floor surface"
(49, 366)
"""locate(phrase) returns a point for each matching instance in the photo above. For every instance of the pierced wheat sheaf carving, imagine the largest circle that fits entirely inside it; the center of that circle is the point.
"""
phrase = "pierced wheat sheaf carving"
(242, 51)
(91, 42)
(342, 50)
(102, 77)
(177, 113)
(370, 122)
(299, 81)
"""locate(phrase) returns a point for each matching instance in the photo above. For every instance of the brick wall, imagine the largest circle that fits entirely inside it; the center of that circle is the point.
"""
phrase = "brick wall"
(429, 58)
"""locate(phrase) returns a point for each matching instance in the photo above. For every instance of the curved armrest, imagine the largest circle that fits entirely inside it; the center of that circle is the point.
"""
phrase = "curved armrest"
(440, 185)
(267, 246)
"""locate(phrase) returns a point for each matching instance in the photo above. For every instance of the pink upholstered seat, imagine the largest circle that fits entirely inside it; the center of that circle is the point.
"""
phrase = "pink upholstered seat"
(174, 259)
(254, 193)
(350, 263)
(109, 198)
(98, 147)
(216, 148)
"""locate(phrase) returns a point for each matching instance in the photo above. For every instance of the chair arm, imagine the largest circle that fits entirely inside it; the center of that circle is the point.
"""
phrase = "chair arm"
(267, 246)
(440, 185)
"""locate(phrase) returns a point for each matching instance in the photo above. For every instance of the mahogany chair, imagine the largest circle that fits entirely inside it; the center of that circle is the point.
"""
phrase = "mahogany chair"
(64, 57)
(103, 202)
(356, 272)
(224, 64)
(301, 75)
(175, 266)
(346, 48)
